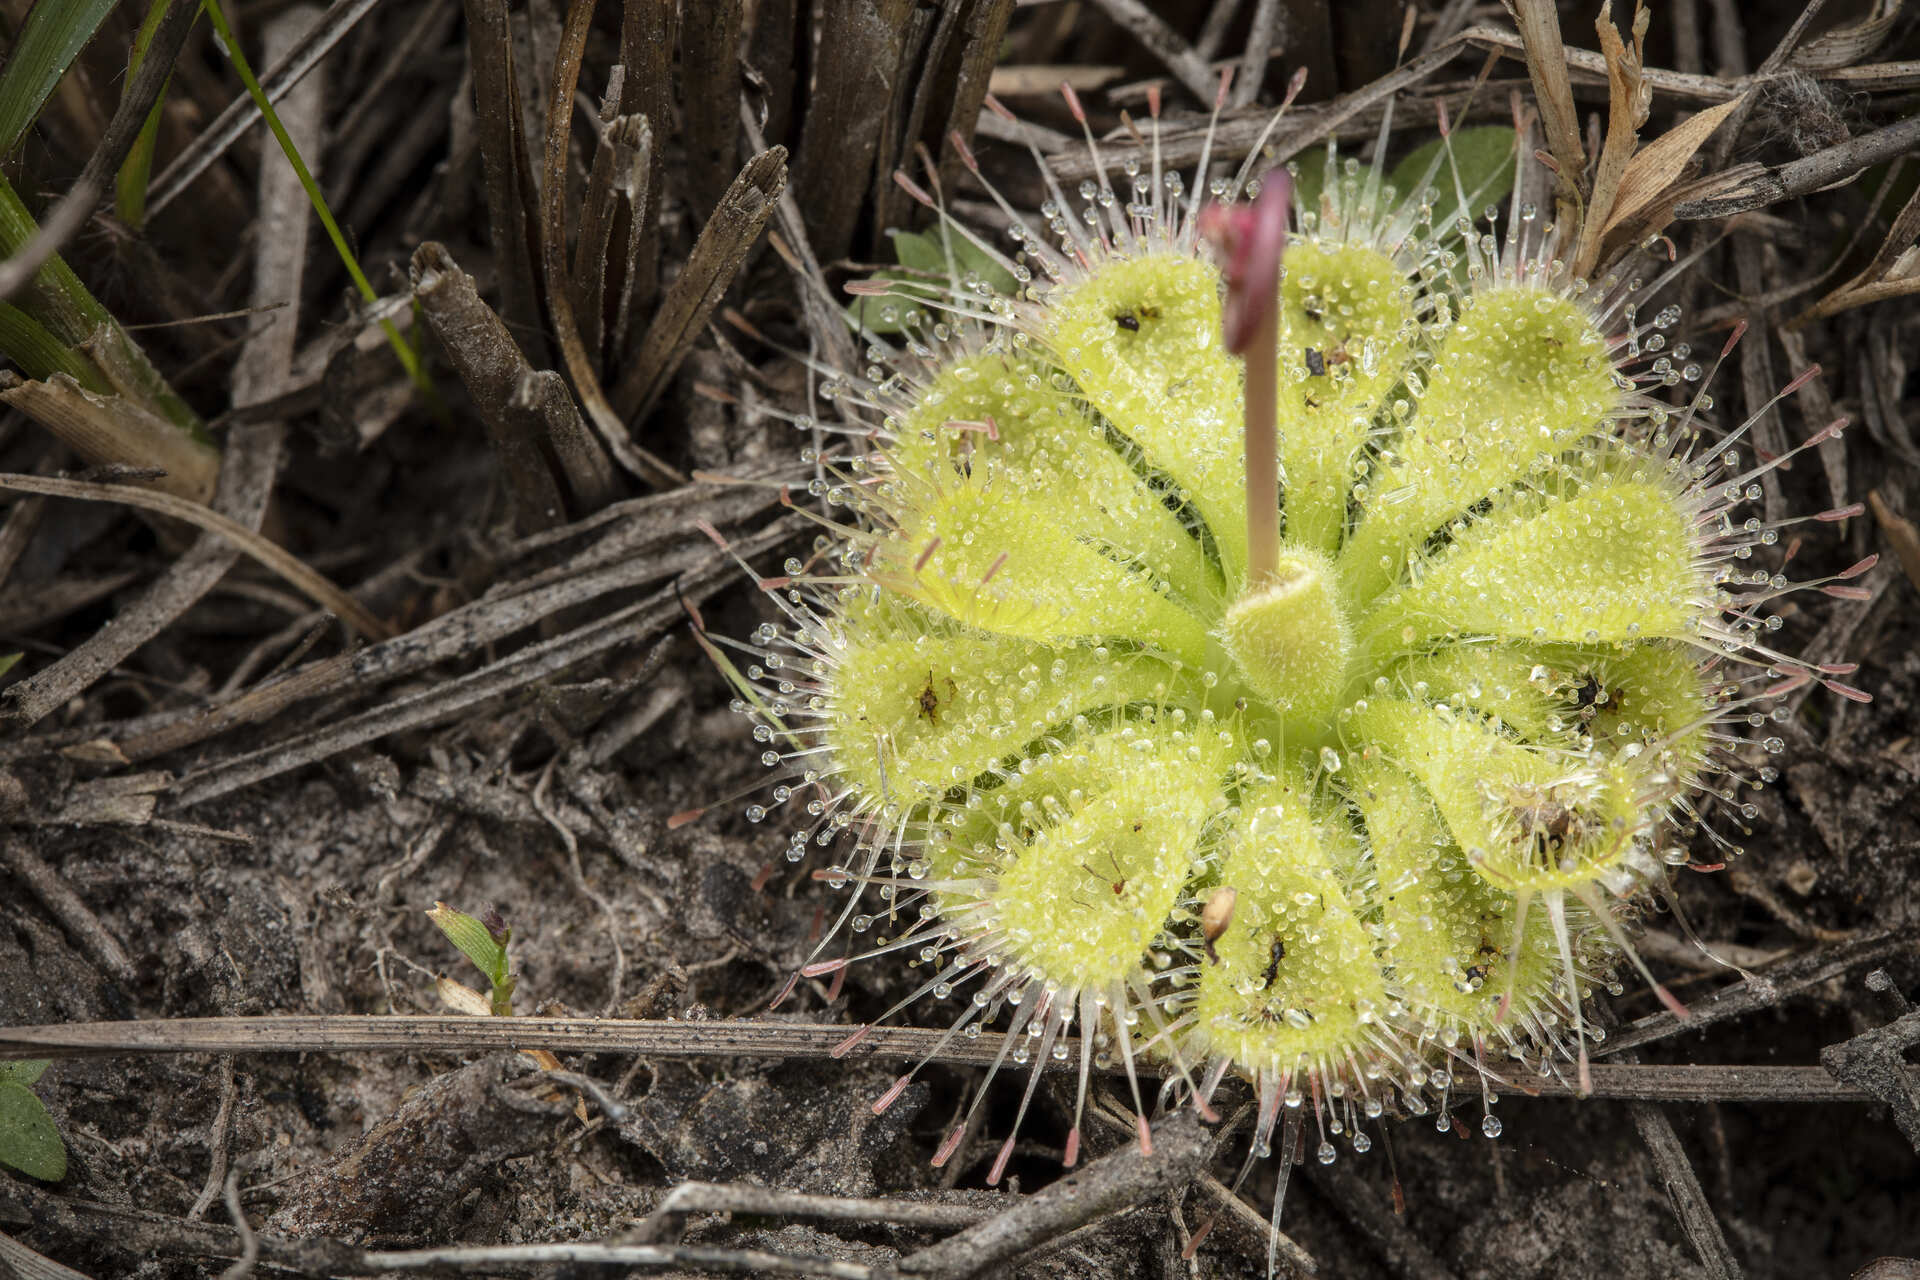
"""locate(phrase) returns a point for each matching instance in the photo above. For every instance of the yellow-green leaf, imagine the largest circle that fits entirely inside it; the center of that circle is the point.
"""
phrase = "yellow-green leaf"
(27, 1070)
(473, 939)
(28, 1140)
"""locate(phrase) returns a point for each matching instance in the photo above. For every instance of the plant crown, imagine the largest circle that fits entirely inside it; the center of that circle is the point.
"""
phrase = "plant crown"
(1352, 830)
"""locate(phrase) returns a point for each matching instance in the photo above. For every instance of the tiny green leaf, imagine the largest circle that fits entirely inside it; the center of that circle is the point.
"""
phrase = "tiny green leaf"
(30, 1069)
(7, 661)
(971, 257)
(928, 272)
(479, 944)
(1483, 159)
(28, 1139)
(918, 252)
(868, 312)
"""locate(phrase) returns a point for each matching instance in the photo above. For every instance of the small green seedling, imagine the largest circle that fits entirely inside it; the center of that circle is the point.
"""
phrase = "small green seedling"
(485, 943)
(28, 1140)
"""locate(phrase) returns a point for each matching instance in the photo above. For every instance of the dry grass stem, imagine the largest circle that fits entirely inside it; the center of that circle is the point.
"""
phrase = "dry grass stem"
(114, 431)
(297, 574)
(716, 259)
(491, 366)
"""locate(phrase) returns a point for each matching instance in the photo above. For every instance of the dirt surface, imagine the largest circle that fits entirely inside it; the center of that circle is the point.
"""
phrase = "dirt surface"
(167, 857)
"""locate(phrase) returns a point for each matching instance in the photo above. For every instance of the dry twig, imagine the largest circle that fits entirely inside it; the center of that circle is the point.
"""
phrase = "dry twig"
(727, 1039)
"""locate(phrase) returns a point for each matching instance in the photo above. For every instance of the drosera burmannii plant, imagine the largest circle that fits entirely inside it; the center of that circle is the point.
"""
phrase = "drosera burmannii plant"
(1290, 640)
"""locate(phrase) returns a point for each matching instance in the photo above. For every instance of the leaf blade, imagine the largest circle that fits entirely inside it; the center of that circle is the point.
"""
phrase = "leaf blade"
(1482, 161)
(55, 33)
(1658, 163)
(29, 1141)
(27, 1070)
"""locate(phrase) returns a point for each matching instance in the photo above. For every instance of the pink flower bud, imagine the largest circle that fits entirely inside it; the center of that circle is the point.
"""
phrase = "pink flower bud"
(1249, 240)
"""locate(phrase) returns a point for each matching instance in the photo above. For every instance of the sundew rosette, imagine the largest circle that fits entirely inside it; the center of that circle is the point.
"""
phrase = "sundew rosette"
(1350, 799)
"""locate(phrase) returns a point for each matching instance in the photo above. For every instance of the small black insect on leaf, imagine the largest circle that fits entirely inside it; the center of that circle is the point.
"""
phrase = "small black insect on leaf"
(1275, 954)
(1316, 363)
(1588, 694)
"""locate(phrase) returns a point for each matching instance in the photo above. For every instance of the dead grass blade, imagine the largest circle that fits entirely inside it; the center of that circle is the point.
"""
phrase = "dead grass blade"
(1629, 101)
(716, 259)
(1848, 45)
(1900, 533)
(620, 159)
(505, 165)
(1684, 1192)
(853, 85)
(1115, 1182)
(710, 98)
(541, 407)
(313, 585)
(111, 430)
(553, 242)
(746, 1038)
(491, 367)
(1893, 273)
(630, 269)
(986, 28)
(1546, 55)
(649, 31)
(1654, 169)
(923, 45)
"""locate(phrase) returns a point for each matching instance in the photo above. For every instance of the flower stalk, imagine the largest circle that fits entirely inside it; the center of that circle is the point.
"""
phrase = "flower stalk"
(1250, 240)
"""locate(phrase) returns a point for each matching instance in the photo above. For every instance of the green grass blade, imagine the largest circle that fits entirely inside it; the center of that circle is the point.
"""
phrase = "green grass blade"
(55, 296)
(64, 308)
(130, 184)
(40, 355)
(55, 33)
(409, 359)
